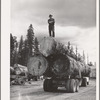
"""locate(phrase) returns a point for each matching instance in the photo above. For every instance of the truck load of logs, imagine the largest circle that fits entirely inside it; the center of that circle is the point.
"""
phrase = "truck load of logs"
(55, 62)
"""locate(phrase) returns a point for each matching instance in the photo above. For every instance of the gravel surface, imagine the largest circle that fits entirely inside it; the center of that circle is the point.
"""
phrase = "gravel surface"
(34, 91)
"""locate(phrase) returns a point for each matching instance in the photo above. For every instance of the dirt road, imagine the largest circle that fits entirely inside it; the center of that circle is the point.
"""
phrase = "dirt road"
(35, 91)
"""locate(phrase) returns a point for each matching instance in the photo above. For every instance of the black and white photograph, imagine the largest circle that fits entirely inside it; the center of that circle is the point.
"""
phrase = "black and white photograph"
(53, 50)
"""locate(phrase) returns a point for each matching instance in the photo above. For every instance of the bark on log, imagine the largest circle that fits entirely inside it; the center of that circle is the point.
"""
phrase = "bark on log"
(63, 65)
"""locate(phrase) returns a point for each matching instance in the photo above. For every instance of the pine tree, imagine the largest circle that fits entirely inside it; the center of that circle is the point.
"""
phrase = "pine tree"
(13, 50)
(20, 53)
(76, 52)
(36, 46)
(30, 40)
(21, 44)
(71, 49)
(69, 45)
(83, 57)
(25, 53)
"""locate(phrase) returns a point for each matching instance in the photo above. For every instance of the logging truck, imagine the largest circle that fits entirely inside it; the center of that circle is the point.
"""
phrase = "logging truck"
(64, 71)
(59, 70)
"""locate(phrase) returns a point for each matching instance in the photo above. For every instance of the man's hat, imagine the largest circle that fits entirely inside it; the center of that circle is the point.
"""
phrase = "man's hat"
(50, 15)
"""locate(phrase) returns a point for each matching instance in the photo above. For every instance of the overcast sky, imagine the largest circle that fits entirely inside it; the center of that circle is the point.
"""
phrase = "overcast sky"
(75, 21)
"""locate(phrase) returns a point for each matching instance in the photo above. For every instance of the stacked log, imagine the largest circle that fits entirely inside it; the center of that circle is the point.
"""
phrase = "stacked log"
(18, 70)
(47, 46)
(37, 65)
(54, 63)
(63, 65)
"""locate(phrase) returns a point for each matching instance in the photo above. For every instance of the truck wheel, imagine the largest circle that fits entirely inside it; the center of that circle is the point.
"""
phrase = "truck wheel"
(87, 83)
(77, 85)
(67, 85)
(35, 78)
(50, 85)
(84, 82)
(54, 88)
(72, 85)
(47, 86)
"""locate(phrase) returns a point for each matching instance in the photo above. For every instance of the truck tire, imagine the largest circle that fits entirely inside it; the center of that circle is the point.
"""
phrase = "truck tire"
(67, 86)
(54, 88)
(77, 85)
(84, 82)
(35, 78)
(72, 85)
(87, 83)
(47, 86)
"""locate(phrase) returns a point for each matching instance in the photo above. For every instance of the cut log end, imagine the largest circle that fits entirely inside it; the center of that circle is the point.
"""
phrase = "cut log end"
(47, 46)
(37, 65)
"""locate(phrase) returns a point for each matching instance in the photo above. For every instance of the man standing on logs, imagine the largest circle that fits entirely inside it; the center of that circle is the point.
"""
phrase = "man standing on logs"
(51, 23)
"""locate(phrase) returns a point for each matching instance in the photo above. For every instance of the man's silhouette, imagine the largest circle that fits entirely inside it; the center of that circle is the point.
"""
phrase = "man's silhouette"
(51, 23)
